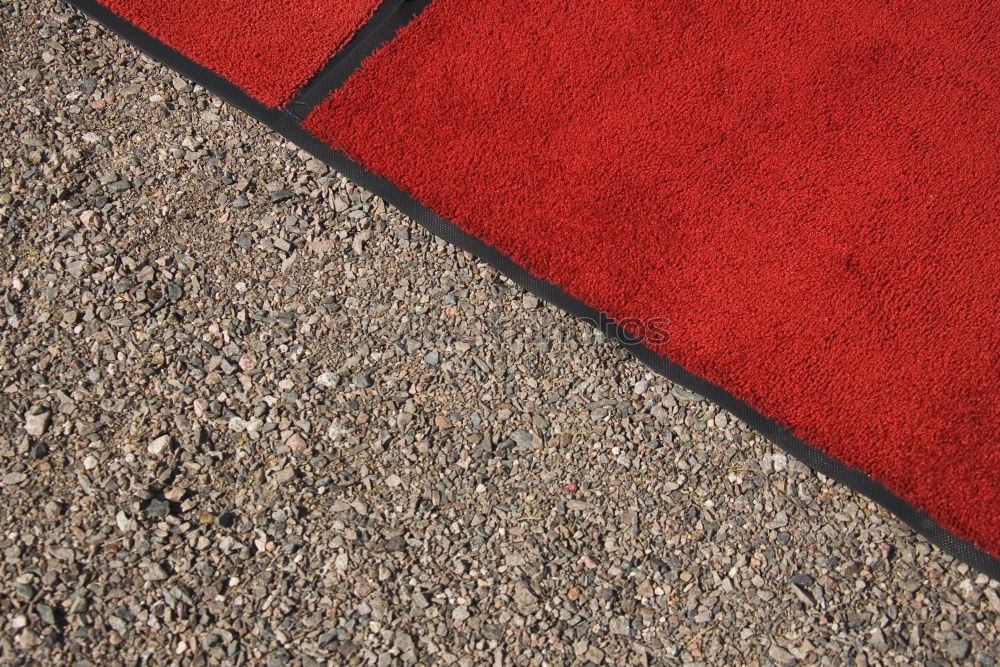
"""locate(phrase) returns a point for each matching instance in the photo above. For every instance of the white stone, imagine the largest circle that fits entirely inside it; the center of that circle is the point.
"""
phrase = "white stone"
(37, 424)
(159, 445)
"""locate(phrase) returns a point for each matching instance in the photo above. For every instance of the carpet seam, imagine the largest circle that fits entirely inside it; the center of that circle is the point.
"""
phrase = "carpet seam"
(390, 17)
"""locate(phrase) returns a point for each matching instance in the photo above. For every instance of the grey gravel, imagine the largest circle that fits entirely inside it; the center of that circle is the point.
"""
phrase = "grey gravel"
(287, 426)
(958, 648)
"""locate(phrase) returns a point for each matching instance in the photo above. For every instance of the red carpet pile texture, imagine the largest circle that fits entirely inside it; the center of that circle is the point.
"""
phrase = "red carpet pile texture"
(808, 192)
(269, 48)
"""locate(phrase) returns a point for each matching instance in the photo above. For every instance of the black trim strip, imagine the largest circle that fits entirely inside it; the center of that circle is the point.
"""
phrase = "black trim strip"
(382, 27)
(287, 124)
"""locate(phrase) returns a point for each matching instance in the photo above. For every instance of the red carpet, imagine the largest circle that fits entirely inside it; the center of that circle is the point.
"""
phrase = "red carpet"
(270, 48)
(807, 192)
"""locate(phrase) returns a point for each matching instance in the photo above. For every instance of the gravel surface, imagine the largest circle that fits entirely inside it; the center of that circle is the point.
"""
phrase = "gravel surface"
(252, 415)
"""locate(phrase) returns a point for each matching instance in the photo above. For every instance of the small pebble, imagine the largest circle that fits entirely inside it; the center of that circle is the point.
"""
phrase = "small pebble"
(36, 423)
(159, 445)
